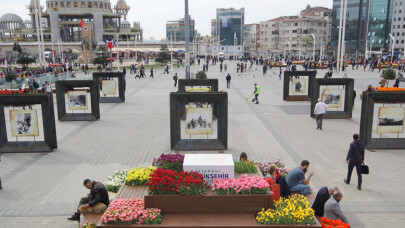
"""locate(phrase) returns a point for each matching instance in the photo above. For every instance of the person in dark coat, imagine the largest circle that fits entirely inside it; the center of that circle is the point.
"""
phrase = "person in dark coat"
(97, 200)
(321, 197)
(355, 157)
(228, 81)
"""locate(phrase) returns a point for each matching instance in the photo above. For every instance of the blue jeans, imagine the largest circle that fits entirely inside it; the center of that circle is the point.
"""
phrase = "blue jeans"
(304, 189)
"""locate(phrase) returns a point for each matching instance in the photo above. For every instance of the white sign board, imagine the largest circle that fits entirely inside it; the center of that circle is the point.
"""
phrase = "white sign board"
(211, 166)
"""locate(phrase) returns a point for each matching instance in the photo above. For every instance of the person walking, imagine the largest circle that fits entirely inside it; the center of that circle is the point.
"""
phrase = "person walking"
(151, 72)
(220, 67)
(166, 69)
(320, 110)
(225, 66)
(175, 78)
(228, 81)
(256, 93)
(355, 157)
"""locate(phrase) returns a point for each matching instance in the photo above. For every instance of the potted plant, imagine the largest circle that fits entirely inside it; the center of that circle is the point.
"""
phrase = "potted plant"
(10, 77)
(389, 74)
(201, 75)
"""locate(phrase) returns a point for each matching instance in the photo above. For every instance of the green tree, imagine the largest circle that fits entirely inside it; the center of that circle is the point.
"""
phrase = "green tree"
(201, 75)
(17, 48)
(389, 74)
(306, 41)
(10, 77)
(164, 55)
(102, 56)
(24, 59)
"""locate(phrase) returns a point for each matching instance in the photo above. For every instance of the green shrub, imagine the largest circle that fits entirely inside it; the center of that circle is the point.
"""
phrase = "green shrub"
(201, 75)
(245, 167)
(390, 74)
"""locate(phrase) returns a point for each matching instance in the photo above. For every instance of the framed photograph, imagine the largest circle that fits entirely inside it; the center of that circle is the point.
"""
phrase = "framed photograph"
(299, 85)
(77, 100)
(24, 123)
(109, 87)
(199, 121)
(390, 120)
(332, 97)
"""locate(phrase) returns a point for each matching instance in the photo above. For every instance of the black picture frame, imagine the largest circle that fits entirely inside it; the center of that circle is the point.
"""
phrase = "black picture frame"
(48, 119)
(286, 88)
(69, 85)
(177, 104)
(369, 98)
(348, 84)
(212, 83)
(121, 86)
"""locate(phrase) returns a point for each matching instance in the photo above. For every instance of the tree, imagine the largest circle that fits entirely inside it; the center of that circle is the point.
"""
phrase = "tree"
(17, 48)
(306, 41)
(164, 55)
(24, 59)
(389, 74)
(102, 56)
(10, 77)
(201, 75)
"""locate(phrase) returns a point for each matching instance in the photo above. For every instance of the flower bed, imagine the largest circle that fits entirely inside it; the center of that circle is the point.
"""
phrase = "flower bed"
(288, 211)
(115, 181)
(329, 223)
(131, 211)
(139, 176)
(245, 167)
(265, 167)
(169, 182)
(88, 226)
(243, 185)
(169, 161)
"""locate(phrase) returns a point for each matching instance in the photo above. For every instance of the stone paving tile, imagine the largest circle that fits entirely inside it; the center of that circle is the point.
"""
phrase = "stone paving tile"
(42, 190)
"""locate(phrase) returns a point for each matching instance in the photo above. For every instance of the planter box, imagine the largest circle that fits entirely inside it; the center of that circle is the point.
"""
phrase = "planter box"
(209, 203)
(211, 220)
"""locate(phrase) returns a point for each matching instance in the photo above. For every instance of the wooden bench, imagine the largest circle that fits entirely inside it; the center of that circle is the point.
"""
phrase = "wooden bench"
(125, 192)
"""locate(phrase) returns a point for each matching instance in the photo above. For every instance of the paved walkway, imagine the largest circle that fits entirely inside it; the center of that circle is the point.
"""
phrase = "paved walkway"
(41, 190)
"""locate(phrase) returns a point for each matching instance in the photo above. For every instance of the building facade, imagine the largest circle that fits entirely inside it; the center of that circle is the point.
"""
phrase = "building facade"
(251, 36)
(230, 22)
(291, 35)
(214, 34)
(61, 19)
(379, 24)
(176, 30)
(356, 26)
(398, 28)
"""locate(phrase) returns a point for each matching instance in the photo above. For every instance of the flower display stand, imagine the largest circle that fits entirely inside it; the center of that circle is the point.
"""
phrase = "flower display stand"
(209, 203)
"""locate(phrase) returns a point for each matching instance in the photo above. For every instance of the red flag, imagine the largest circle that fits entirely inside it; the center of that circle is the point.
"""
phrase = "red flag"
(81, 23)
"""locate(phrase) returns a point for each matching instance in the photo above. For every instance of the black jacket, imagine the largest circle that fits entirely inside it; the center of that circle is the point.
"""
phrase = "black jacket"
(356, 152)
(321, 197)
(98, 194)
(228, 78)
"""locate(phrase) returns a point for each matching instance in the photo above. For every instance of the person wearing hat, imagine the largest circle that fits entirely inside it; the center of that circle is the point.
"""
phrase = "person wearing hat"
(96, 201)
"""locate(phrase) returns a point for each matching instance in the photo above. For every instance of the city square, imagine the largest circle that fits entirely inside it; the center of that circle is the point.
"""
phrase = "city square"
(43, 188)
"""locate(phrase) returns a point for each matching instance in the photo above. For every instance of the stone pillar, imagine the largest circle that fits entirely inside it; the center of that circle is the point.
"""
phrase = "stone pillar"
(98, 26)
(55, 30)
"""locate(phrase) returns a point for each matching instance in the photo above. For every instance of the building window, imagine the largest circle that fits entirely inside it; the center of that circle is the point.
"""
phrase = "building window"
(75, 4)
(397, 41)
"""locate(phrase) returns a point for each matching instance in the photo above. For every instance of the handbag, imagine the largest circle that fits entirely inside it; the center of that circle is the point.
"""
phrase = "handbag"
(364, 169)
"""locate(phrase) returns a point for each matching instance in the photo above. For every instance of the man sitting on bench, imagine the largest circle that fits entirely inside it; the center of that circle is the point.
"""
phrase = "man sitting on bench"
(296, 179)
(96, 201)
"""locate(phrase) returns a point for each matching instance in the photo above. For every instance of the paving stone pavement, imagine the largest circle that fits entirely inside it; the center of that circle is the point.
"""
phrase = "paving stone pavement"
(41, 190)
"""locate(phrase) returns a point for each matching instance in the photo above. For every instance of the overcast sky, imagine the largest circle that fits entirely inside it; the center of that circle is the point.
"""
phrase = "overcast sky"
(153, 14)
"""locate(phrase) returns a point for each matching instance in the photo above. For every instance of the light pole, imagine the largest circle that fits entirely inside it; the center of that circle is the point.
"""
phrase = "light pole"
(392, 48)
(36, 12)
(117, 37)
(187, 22)
(343, 36)
(313, 54)
(289, 47)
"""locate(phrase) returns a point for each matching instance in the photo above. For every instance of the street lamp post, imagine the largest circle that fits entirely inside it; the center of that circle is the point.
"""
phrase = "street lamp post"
(289, 47)
(187, 22)
(392, 48)
(313, 54)
(36, 12)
